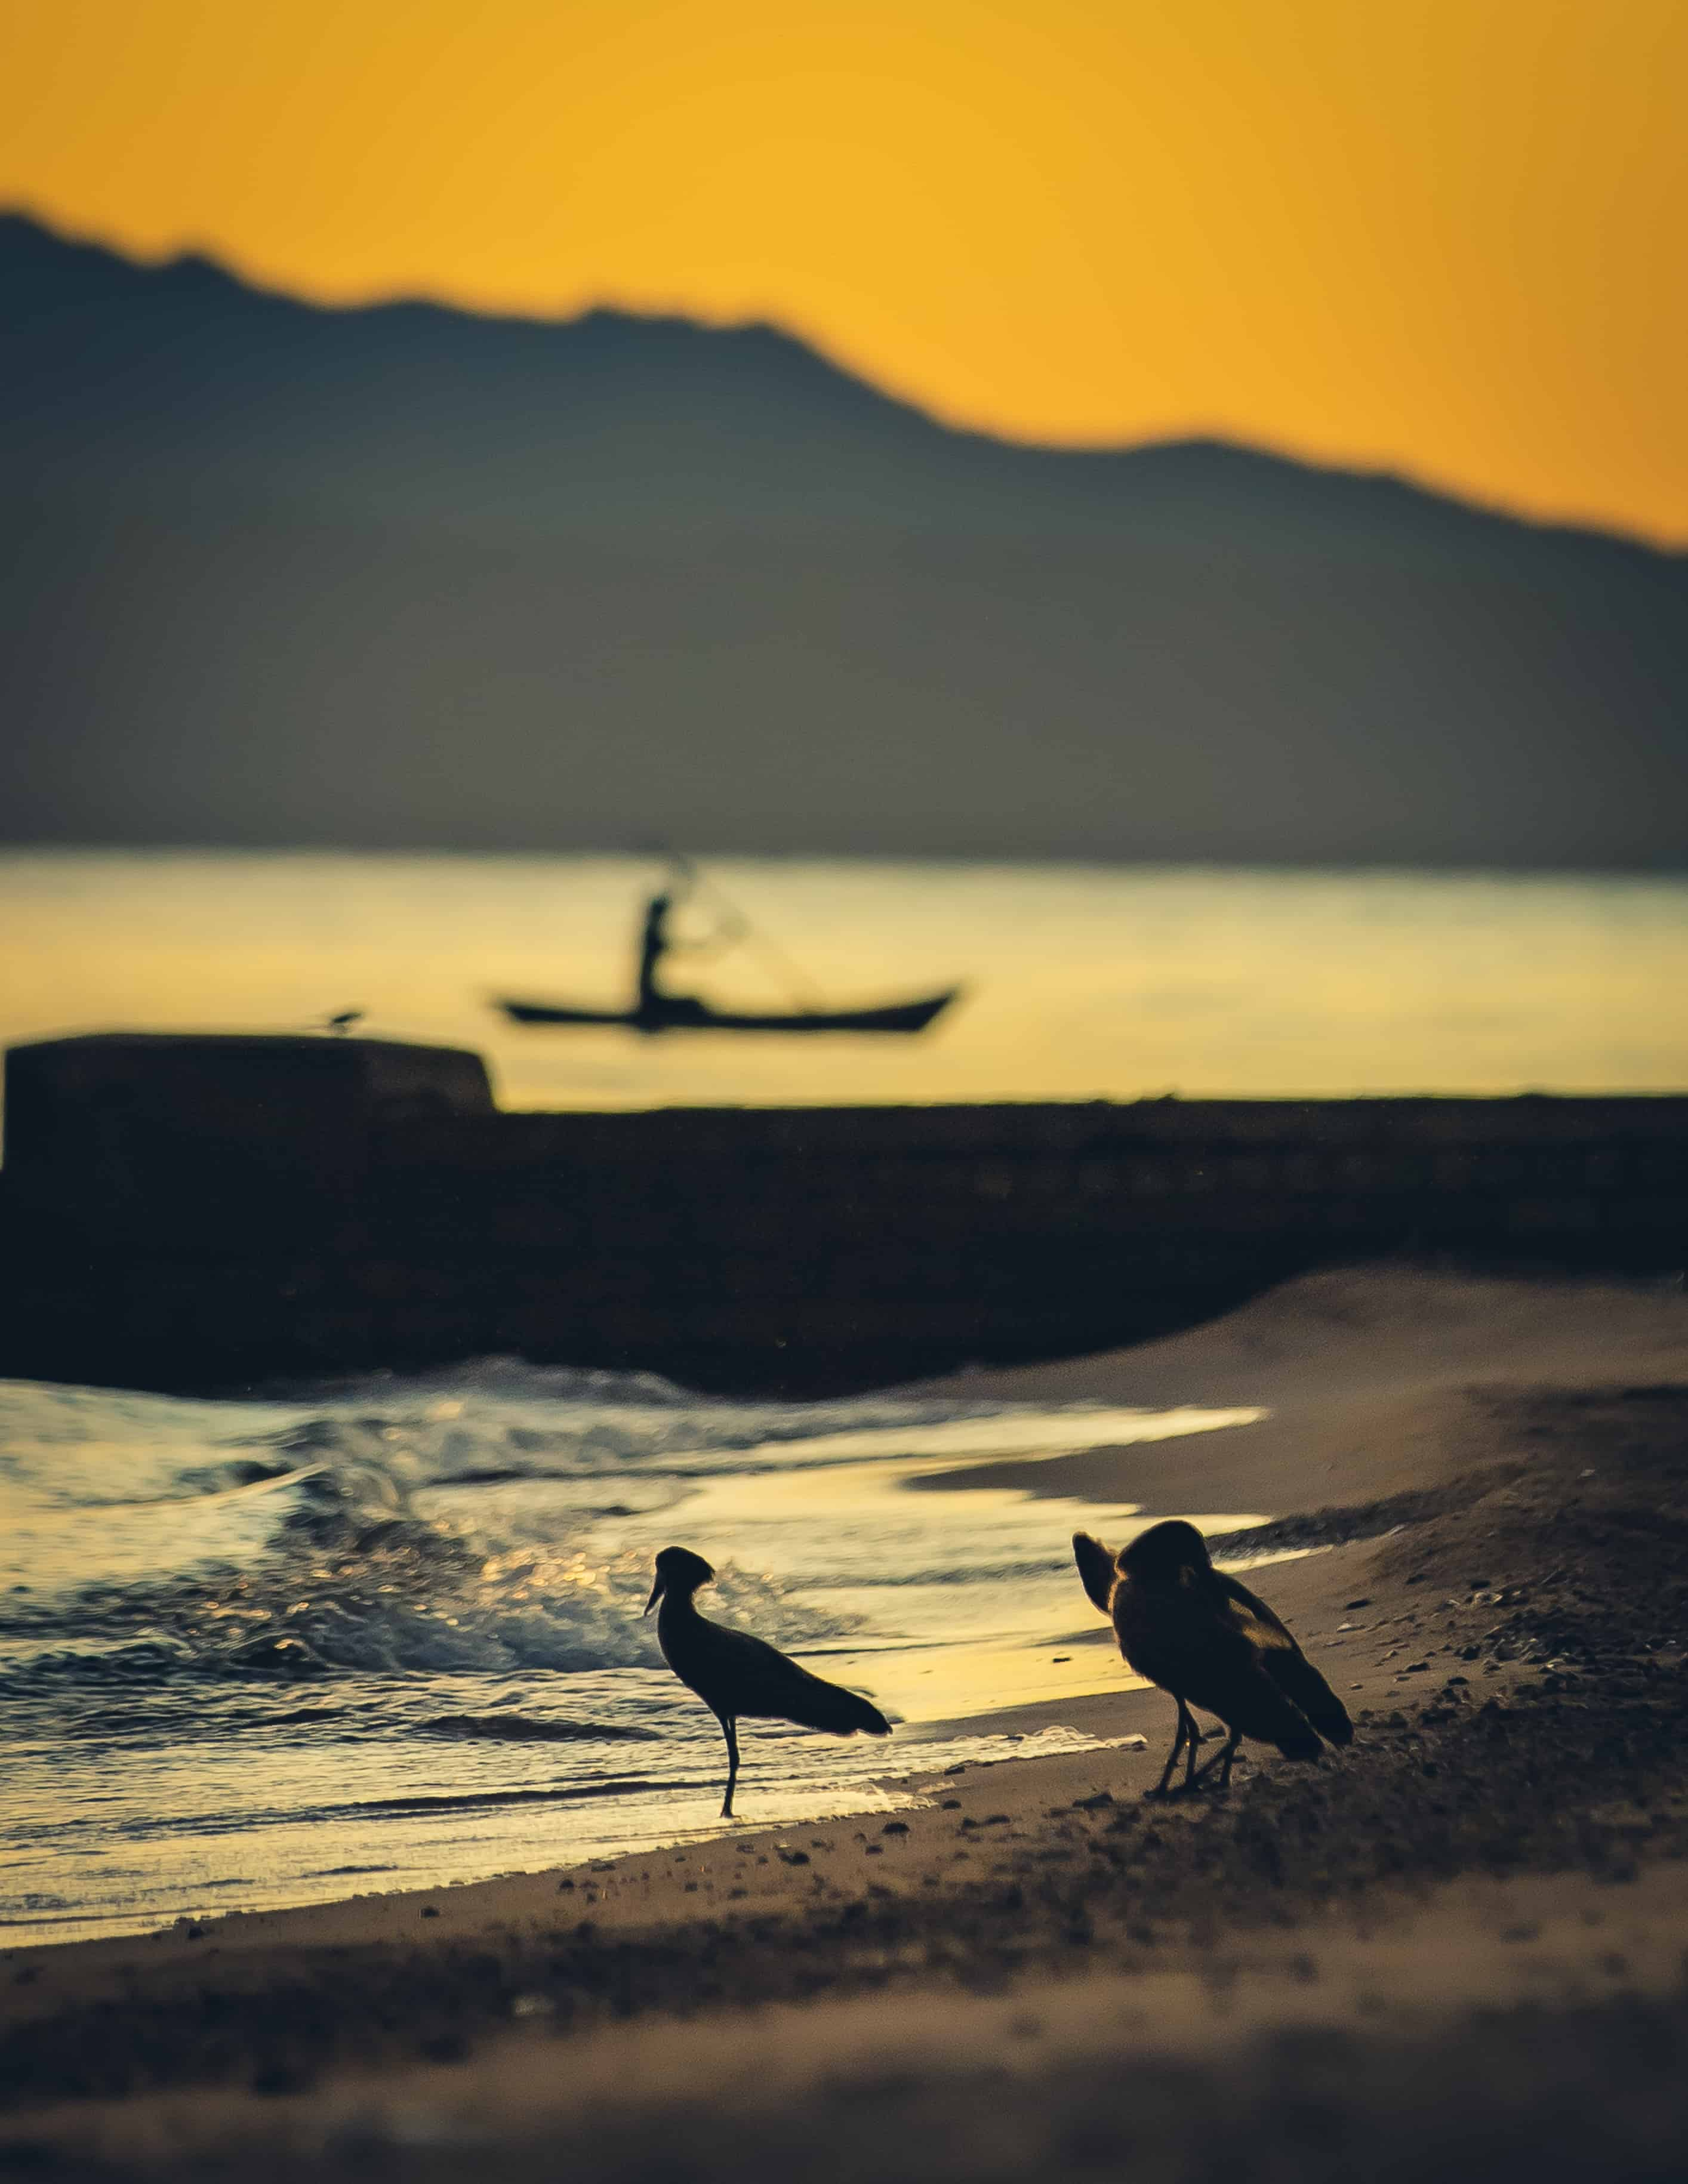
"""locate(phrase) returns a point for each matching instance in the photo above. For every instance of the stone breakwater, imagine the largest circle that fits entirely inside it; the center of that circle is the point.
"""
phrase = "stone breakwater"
(192, 1211)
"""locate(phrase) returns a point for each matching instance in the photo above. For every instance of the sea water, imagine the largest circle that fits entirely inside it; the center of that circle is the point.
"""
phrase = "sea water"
(1078, 982)
(389, 1634)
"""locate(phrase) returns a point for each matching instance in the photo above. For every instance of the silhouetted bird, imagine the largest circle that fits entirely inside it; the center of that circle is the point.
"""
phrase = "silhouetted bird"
(341, 1024)
(1212, 1643)
(734, 1673)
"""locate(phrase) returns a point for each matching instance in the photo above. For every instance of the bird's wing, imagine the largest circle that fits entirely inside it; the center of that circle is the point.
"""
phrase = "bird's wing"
(1235, 1590)
(1095, 1568)
(1285, 1663)
(749, 1676)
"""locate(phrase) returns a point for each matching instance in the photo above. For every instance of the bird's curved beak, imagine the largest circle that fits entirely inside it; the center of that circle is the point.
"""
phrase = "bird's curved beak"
(655, 1593)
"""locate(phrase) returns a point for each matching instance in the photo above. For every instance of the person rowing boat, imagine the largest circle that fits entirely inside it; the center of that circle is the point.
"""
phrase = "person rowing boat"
(653, 1000)
(656, 1009)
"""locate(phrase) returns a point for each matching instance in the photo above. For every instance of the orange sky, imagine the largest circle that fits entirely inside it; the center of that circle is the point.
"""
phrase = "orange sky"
(1443, 235)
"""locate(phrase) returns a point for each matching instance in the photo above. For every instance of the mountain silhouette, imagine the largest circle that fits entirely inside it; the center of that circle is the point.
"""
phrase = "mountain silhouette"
(404, 575)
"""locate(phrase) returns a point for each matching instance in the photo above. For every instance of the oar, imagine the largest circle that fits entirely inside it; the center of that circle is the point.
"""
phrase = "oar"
(784, 970)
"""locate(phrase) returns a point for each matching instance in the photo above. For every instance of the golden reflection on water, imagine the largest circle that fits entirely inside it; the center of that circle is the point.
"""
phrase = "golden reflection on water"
(1081, 982)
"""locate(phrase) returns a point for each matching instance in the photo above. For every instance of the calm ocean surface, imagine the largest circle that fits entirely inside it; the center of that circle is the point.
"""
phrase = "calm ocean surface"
(386, 1632)
(1081, 982)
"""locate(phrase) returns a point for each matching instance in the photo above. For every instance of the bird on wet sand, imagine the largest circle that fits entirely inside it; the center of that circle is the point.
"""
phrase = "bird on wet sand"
(735, 1674)
(1212, 1643)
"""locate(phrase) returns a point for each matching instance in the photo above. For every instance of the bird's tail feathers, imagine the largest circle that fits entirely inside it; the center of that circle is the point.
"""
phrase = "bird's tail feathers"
(1335, 1727)
(1305, 1688)
(830, 1706)
(870, 1720)
(1096, 1569)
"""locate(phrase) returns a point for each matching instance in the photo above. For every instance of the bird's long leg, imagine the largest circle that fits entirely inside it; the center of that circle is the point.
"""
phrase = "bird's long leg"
(1194, 1745)
(1185, 1726)
(729, 1730)
(1223, 1761)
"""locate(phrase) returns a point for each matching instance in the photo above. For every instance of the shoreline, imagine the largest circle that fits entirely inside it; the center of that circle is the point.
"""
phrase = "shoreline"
(1514, 1667)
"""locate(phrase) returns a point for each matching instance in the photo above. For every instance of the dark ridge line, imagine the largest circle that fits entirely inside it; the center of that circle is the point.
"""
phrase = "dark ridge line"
(203, 267)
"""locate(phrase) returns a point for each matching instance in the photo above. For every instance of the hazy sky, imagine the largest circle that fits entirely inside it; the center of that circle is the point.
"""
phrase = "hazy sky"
(1444, 235)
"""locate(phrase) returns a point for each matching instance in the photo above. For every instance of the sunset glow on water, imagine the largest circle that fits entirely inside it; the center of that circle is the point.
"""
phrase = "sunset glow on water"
(386, 1633)
(1080, 982)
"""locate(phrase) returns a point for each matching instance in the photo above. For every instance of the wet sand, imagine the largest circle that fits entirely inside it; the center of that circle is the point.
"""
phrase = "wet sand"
(1462, 1944)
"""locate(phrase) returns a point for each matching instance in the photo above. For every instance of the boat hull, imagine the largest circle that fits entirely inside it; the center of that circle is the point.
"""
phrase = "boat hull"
(682, 1015)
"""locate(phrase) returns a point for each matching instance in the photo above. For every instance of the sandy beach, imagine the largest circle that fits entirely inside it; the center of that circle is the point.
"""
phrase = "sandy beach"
(1461, 1943)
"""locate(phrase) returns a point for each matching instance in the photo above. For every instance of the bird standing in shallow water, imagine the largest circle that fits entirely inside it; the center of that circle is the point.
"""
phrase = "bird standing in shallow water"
(735, 1674)
(1212, 1643)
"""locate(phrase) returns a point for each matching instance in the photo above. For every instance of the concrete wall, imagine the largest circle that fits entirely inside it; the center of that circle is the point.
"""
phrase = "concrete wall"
(810, 1248)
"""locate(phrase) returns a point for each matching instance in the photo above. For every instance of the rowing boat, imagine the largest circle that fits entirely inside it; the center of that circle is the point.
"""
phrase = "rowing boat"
(683, 1013)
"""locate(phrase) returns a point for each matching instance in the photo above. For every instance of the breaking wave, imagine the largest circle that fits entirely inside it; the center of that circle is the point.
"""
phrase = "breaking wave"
(444, 1524)
(396, 1625)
